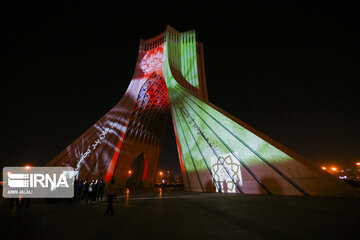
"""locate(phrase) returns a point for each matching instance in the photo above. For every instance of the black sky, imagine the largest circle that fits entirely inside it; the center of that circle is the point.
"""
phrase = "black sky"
(287, 69)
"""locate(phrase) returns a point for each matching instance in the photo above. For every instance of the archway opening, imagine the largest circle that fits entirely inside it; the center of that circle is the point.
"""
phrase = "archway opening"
(137, 173)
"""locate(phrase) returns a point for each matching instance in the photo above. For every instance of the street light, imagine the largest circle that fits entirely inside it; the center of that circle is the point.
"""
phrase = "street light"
(161, 173)
(323, 168)
(130, 172)
(357, 164)
(334, 169)
(27, 167)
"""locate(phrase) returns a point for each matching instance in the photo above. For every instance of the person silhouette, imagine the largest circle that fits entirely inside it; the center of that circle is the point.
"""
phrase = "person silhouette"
(91, 191)
(85, 190)
(101, 190)
(112, 192)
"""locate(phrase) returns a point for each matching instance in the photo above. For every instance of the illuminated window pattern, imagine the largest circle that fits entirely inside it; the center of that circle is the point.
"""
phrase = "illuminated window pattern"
(154, 43)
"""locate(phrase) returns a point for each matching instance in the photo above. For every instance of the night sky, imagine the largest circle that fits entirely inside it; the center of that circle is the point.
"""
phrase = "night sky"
(287, 69)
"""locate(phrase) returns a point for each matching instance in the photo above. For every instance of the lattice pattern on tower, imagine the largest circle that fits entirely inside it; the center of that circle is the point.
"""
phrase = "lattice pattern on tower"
(152, 108)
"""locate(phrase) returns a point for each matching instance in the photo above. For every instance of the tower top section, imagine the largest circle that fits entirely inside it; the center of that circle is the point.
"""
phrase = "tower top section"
(183, 54)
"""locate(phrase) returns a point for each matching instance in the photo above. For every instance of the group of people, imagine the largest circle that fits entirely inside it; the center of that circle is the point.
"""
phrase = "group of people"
(86, 191)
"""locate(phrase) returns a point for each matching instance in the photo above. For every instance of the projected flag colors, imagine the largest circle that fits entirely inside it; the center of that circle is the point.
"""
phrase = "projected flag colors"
(217, 152)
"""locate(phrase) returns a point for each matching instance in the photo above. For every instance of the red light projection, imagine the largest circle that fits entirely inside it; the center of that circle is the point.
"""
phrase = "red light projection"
(111, 168)
(153, 60)
(152, 103)
(145, 169)
(153, 94)
(217, 151)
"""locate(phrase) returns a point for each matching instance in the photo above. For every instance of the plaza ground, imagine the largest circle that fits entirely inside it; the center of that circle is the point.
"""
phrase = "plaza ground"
(185, 215)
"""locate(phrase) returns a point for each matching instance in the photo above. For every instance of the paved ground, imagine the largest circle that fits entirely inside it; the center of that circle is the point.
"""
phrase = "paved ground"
(148, 215)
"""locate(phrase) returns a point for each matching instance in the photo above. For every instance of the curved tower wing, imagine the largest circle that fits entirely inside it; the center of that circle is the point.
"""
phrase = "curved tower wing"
(217, 152)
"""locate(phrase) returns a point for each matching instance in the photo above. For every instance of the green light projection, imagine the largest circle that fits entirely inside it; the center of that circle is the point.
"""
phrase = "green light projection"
(214, 148)
(217, 152)
(188, 58)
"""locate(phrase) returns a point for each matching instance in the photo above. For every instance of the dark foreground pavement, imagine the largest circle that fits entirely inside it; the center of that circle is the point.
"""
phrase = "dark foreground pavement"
(186, 215)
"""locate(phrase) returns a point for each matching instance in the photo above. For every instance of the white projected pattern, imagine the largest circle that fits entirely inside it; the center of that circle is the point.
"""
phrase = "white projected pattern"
(226, 171)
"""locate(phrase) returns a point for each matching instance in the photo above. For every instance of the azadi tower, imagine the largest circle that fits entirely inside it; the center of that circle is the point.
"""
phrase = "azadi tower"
(217, 152)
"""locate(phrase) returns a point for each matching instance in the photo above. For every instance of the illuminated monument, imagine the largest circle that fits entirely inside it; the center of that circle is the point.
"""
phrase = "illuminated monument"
(217, 152)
